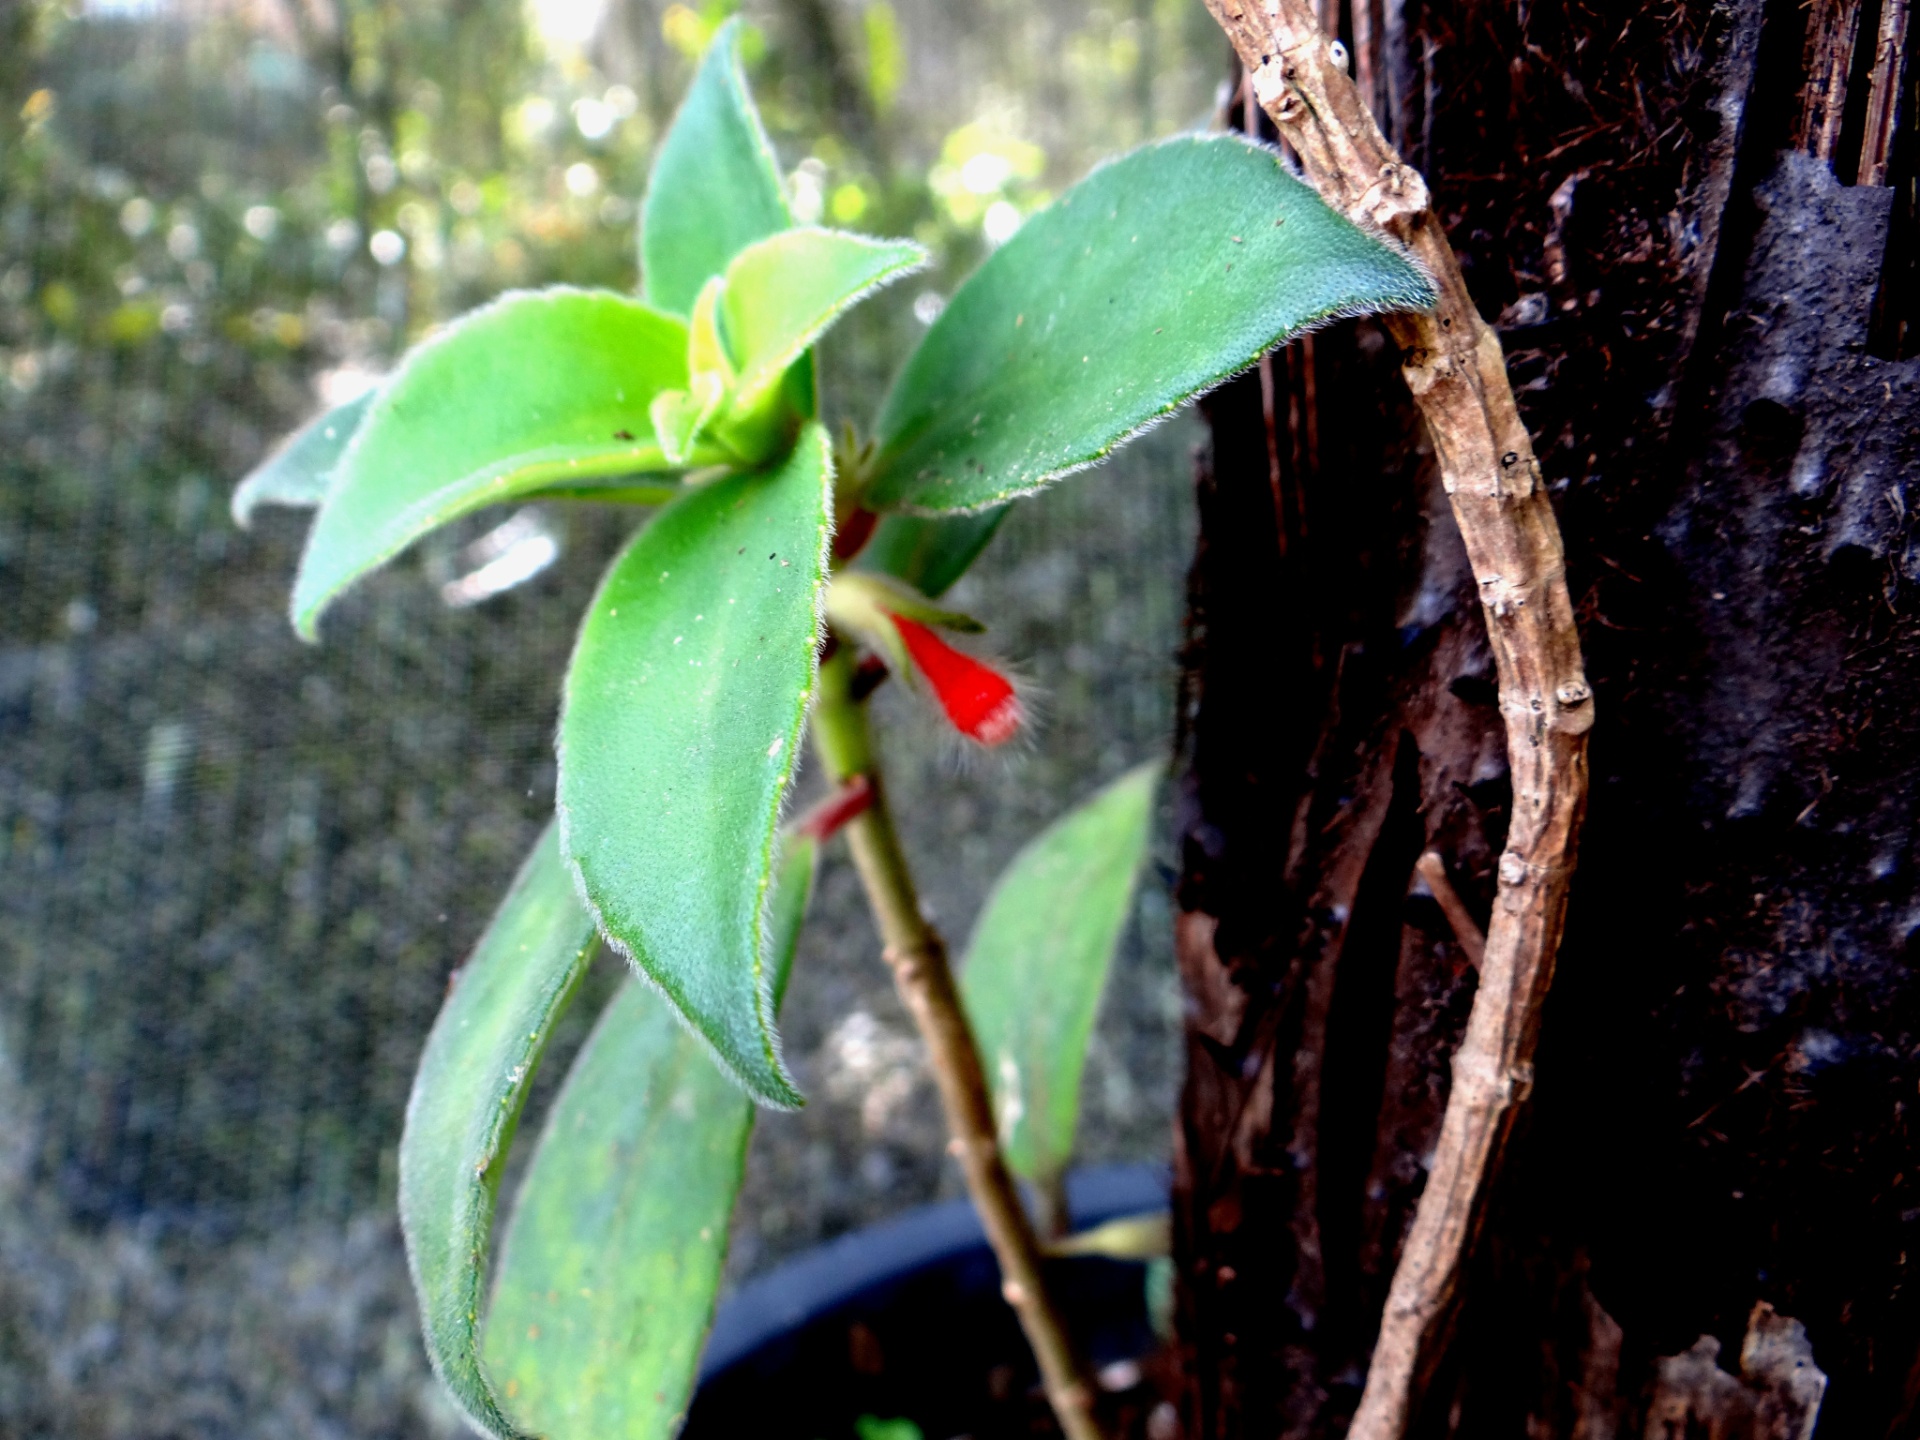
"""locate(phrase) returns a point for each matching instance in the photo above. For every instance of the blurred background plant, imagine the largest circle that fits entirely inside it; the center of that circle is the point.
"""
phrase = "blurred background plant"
(234, 871)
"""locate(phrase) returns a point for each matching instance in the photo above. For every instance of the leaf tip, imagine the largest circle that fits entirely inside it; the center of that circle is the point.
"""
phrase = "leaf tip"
(782, 1096)
(306, 622)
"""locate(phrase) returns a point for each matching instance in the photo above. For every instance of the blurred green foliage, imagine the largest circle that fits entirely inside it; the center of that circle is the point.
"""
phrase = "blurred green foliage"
(234, 870)
(214, 217)
(296, 186)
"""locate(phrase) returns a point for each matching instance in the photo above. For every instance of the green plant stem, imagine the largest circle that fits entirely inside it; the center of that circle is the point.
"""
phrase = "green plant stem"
(918, 958)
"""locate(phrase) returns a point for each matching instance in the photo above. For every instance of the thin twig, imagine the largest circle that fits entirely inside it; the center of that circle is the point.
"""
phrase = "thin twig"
(918, 958)
(1455, 369)
(1433, 870)
(1250, 124)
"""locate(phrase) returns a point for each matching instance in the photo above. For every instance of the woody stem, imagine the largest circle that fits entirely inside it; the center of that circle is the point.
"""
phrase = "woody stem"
(917, 956)
(1457, 376)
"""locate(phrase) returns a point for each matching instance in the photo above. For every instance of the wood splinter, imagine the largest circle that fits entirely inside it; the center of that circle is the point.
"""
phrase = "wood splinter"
(1455, 369)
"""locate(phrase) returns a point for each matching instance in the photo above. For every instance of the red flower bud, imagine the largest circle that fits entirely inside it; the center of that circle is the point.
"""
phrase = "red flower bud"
(847, 802)
(851, 537)
(979, 700)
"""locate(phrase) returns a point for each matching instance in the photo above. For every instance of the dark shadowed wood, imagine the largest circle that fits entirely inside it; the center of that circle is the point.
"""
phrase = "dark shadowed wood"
(1706, 348)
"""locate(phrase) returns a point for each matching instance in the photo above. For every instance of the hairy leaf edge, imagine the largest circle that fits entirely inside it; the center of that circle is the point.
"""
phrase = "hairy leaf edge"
(532, 473)
(756, 384)
(1413, 301)
(506, 1122)
(729, 36)
(791, 1099)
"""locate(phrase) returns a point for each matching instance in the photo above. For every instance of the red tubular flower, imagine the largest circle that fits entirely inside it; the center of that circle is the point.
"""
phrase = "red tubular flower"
(979, 700)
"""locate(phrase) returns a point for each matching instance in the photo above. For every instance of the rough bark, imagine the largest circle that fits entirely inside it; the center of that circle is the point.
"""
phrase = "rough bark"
(1702, 321)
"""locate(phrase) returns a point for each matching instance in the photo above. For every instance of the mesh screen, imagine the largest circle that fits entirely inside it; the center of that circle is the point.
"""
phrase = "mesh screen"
(235, 870)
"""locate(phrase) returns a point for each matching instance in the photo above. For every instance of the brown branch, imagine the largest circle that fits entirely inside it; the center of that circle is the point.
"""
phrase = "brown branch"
(918, 958)
(1455, 369)
(1473, 944)
(1250, 124)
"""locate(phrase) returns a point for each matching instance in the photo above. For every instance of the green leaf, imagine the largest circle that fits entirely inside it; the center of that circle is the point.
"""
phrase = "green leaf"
(1038, 962)
(612, 1259)
(536, 390)
(466, 1100)
(715, 187)
(784, 291)
(1145, 1236)
(679, 726)
(299, 473)
(620, 490)
(1157, 277)
(930, 552)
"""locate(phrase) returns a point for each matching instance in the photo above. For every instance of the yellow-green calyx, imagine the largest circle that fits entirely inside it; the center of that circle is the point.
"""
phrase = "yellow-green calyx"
(862, 606)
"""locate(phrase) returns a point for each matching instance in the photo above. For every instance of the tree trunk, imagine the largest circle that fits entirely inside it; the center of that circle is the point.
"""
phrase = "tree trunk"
(1693, 224)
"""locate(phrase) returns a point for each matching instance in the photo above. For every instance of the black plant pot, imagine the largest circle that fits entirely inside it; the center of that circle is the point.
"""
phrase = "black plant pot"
(905, 1319)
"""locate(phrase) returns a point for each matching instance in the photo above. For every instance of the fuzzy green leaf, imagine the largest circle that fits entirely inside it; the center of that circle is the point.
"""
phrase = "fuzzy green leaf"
(610, 1265)
(537, 390)
(715, 187)
(300, 472)
(930, 552)
(1157, 277)
(467, 1094)
(679, 725)
(1038, 962)
(784, 291)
